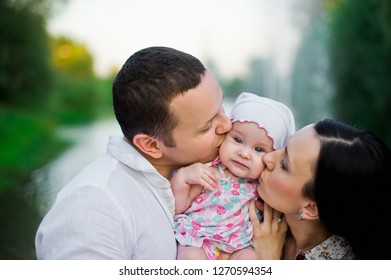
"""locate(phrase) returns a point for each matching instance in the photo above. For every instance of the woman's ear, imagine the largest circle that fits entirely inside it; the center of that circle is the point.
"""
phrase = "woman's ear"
(310, 211)
(148, 145)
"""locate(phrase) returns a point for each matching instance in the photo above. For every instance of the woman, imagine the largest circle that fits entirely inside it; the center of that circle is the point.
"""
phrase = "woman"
(331, 183)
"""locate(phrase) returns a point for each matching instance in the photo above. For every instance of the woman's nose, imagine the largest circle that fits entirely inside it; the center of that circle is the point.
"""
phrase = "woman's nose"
(268, 159)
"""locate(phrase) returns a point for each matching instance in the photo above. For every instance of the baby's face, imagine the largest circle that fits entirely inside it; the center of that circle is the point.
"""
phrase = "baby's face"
(243, 149)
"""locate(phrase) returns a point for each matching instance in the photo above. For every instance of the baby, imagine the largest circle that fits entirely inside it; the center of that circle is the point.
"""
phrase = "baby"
(212, 200)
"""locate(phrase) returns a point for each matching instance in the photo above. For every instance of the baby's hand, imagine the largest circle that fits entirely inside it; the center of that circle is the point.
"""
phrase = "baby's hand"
(200, 174)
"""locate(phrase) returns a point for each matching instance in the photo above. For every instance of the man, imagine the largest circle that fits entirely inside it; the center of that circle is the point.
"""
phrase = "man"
(121, 206)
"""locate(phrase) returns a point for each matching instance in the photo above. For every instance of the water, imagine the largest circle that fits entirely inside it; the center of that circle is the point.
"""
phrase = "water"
(90, 142)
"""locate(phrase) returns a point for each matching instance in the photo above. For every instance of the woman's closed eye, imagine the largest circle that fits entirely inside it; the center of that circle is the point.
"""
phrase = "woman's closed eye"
(283, 165)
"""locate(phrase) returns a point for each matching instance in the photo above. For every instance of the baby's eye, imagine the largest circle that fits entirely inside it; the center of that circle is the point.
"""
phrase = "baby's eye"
(260, 150)
(238, 140)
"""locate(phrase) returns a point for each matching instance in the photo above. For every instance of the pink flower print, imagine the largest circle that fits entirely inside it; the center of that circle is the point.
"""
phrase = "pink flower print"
(193, 233)
(199, 199)
(238, 212)
(236, 186)
(183, 233)
(255, 192)
(218, 193)
(196, 225)
(241, 223)
(221, 210)
(235, 192)
(217, 236)
(230, 225)
(231, 237)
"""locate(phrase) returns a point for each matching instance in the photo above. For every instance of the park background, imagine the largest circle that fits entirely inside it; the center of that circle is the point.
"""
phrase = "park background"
(58, 58)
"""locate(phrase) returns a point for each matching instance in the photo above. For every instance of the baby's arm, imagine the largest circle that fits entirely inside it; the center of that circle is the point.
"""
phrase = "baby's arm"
(188, 182)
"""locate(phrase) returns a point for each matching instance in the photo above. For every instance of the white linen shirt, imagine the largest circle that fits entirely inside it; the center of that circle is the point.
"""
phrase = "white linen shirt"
(118, 207)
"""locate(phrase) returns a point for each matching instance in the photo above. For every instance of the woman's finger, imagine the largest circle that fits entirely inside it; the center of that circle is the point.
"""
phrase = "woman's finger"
(267, 214)
(253, 214)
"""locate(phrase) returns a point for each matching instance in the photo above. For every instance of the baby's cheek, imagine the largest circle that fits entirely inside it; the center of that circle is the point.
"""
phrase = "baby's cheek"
(258, 168)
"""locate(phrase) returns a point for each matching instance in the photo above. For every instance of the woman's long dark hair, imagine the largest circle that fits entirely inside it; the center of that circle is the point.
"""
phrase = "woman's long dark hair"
(352, 187)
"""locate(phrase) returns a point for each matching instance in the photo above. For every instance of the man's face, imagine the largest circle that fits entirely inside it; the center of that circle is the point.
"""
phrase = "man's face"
(202, 124)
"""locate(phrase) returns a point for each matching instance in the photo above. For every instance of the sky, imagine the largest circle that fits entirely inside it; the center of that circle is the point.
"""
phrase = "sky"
(228, 32)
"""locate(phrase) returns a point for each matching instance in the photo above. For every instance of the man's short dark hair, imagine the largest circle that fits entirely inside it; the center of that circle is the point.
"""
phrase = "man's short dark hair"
(145, 86)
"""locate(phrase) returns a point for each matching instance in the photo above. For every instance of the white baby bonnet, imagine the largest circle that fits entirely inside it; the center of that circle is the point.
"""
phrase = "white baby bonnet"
(273, 116)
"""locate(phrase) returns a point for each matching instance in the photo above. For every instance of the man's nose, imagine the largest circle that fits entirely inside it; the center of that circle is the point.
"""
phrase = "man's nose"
(224, 124)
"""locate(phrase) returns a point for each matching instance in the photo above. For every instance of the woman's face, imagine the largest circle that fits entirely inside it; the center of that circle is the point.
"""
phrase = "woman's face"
(287, 170)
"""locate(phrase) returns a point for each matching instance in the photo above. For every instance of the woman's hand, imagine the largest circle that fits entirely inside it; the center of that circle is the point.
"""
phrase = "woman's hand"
(269, 234)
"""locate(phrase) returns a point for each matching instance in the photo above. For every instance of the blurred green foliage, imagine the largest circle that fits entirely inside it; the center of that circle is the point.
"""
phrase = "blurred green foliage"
(78, 96)
(25, 69)
(342, 68)
(361, 63)
(44, 83)
(27, 142)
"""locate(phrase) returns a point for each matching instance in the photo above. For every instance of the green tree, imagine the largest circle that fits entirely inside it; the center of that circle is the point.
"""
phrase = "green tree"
(25, 72)
(361, 63)
(71, 58)
(77, 94)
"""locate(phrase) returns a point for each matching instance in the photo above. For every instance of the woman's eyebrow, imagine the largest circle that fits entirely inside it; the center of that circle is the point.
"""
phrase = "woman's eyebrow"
(286, 158)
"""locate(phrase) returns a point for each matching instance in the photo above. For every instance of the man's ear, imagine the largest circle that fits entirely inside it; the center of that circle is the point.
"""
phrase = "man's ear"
(148, 145)
(310, 211)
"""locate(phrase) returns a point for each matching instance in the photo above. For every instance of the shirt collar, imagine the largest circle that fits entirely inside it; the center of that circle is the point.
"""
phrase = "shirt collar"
(333, 248)
(125, 153)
